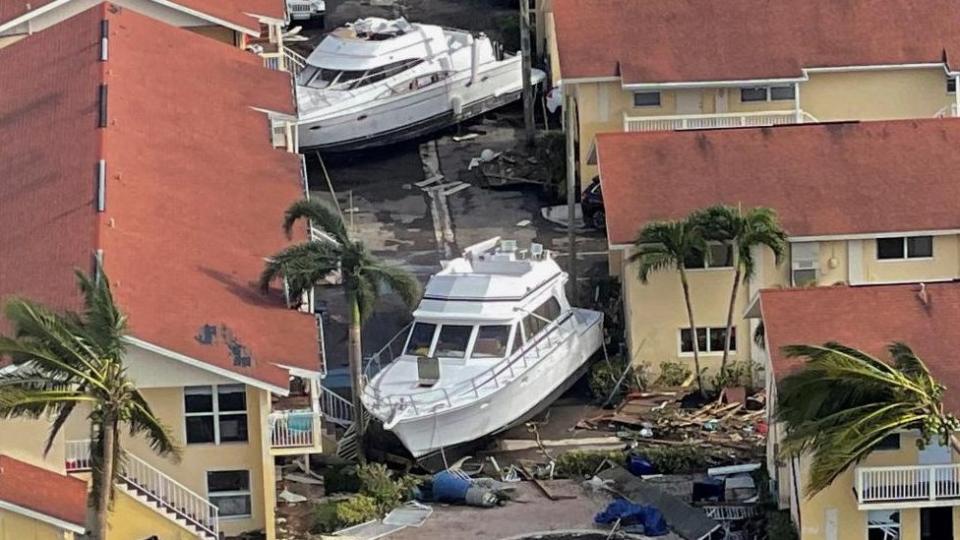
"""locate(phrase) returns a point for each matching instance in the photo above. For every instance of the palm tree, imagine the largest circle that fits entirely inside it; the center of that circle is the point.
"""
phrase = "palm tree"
(663, 245)
(845, 401)
(304, 265)
(758, 227)
(67, 359)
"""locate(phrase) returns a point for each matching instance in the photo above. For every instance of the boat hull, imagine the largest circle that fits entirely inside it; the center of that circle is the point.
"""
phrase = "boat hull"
(514, 402)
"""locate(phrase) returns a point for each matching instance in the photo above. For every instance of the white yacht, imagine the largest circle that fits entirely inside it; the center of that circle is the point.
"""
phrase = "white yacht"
(379, 81)
(493, 341)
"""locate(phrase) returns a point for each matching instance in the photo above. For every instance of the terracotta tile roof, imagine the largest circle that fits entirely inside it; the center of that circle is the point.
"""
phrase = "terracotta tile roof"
(195, 193)
(654, 41)
(237, 12)
(869, 318)
(44, 491)
(823, 179)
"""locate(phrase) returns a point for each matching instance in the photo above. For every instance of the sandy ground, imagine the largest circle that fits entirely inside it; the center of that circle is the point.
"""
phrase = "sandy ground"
(535, 513)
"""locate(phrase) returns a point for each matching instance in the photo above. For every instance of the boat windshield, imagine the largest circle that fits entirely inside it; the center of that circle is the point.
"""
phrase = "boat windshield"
(491, 341)
(320, 78)
(460, 341)
(453, 341)
(421, 337)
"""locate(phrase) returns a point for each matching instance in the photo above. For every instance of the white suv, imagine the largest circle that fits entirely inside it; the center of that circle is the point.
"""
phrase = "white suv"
(304, 10)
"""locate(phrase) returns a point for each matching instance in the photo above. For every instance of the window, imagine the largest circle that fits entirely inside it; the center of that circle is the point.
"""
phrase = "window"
(517, 340)
(905, 247)
(768, 93)
(421, 337)
(545, 313)
(453, 341)
(709, 340)
(721, 256)
(753, 94)
(491, 341)
(883, 525)
(646, 99)
(215, 414)
(951, 85)
(804, 265)
(229, 491)
(890, 442)
(781, 93)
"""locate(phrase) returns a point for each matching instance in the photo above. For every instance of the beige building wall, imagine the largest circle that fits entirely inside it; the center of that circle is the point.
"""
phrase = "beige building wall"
(25, 439)
(875, 95)
(131, 520)
(19, 527)
(945, 263)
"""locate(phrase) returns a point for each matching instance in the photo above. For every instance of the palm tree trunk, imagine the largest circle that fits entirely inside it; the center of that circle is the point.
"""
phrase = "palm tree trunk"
(356, 368)
(106, 474)
(693, 330)
(733, 302)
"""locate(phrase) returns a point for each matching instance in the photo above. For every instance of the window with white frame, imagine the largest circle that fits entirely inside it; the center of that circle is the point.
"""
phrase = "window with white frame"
(215, 414)
(721, 256)
(646, 99)
(804, 263)
(951, 85)
(883, 525)
(767, 93)
(709, 340)
(229, 491)
(905, 247)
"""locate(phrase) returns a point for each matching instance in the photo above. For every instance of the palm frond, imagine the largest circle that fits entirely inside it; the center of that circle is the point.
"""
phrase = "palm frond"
(396, 279)
(144, 422)
(302, 265)
(104, 323)
(320, 216)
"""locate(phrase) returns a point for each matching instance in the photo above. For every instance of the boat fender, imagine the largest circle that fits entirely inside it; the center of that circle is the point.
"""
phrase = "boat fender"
(456, 103)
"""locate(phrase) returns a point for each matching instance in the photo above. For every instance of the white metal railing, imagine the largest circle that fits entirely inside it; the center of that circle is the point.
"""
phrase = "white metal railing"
(294, 429)
(486, 382)
(284, 60)
(150, 482)
(77, 456)
(335, 408)
(908, 483)
(950, 111)
(718, 120)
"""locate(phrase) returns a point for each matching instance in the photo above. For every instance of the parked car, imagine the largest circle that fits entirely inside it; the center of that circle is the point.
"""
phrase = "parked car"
(305, 10)
(591, 203)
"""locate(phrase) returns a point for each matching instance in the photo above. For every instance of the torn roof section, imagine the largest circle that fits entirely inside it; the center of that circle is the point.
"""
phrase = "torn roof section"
(675, 41)
(241, 15)
(193, 192)
(869, 318)
(822, 179)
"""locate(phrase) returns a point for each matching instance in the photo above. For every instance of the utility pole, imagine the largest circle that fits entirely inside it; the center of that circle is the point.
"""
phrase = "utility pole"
(528, 124)
(568, 121)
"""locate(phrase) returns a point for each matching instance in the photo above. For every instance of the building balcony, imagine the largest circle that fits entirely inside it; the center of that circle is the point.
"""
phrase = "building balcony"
(912, 486)
(714, 121)
(295, 432)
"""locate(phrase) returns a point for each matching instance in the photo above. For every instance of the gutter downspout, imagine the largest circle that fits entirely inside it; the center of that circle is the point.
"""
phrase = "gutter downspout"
(796, 493)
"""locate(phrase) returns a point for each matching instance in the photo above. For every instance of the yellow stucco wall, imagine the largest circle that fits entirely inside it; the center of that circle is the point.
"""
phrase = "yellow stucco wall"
(875, 95)
(25, 439)
(18, 527)
(131, 520)
(945, 263)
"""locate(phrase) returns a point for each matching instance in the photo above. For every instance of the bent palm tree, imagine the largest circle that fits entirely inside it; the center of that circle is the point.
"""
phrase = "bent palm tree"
(845, 401)
(64, 360)
(669, 244)
(758, 227)
(304, 265)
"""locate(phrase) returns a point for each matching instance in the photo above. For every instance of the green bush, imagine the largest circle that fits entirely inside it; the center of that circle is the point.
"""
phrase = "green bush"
(674, 459)
(358, 509)
(604, 376)
(780, 526)
(341, 479)
(673, 373)
(325, 518)
(584, 463)
(736, 374)
(379, 485)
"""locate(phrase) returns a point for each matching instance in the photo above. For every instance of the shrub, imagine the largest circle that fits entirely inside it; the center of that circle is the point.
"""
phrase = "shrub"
(674, 459)
(379, 485)
(584, 463)
(341, 479)
(358, 509)
(673, 374)
(325, 518)
(604, 376)
(780, 526)
(736, 374)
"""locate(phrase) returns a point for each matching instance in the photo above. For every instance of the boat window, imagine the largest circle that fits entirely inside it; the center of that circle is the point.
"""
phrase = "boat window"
(453, 341)
(491, 341)
(319, 78)
(387, 71)
(545, 313)
(517, 339)
(421, 337)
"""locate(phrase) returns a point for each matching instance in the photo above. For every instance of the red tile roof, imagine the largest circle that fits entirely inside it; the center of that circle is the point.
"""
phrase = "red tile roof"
(869, 318)
(237, 12)
(44, 491)
(195, 193)
(823, 179)
(656, 41)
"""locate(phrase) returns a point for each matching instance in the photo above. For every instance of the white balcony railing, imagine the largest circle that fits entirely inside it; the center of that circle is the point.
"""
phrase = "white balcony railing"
(284, 60)
(146, 481)
(294, 429)
(950, 111)
(335, 408)
(711, 121)
(922, 485)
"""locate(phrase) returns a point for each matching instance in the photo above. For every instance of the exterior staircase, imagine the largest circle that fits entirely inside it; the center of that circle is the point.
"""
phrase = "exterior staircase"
(151, 487)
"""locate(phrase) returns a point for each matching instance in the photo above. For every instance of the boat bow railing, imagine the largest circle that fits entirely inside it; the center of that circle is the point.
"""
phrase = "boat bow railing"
(486, 382)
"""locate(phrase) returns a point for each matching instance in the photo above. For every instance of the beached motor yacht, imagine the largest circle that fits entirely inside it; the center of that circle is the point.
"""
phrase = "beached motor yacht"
(379, 81)
(493, 341)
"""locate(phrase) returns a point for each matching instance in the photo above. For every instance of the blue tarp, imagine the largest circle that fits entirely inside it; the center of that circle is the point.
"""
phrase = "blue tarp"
(633, 514)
